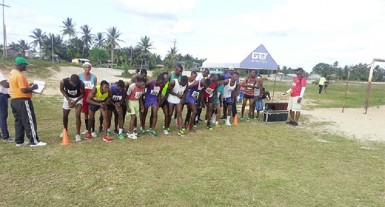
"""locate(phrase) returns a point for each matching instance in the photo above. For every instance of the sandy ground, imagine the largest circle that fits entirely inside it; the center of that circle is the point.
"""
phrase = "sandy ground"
(352, 123)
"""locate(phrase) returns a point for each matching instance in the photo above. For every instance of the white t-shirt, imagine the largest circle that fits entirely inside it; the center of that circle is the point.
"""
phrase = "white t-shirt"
(3, 90)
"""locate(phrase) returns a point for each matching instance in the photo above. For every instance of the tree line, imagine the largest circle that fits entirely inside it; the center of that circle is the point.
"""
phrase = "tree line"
(358, 72)
(100, 48)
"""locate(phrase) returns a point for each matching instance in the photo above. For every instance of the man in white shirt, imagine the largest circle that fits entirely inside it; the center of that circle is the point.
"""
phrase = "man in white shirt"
(4, 95)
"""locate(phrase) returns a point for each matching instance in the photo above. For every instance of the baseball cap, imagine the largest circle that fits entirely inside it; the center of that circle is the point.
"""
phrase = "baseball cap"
(20, 60)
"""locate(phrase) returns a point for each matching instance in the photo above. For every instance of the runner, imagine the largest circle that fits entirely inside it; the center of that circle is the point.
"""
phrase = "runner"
(73, 91)
(218, 101)
(249, 85)
(117, 106)
(209, 92)
(229, 95)
(163, 101)
(135, 103)
(176, 94)
(98, 99)
(152, 96)
(90, 82)
(191, 101)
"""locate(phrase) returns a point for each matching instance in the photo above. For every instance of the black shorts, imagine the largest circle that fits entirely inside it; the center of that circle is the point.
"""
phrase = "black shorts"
(248, 97)
(113, 108)
(93, 107)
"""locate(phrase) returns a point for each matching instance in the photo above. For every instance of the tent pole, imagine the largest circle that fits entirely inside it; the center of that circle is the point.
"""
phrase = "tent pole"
(346, 90)
(275, 79)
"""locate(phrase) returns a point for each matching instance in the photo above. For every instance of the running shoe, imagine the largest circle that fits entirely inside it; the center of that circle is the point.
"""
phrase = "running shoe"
(84, 132)
(77, 138)
(109, 133)
(94, 135)
(106, 139)
(121, 136)
(100, 129)
(88, 136)
(132, 136)
(165, 131)
(181, 133)
(39, 144)
(153, 133)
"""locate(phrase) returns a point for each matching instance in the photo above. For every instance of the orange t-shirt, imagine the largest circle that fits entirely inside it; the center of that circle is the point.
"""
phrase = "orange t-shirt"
(17, 81)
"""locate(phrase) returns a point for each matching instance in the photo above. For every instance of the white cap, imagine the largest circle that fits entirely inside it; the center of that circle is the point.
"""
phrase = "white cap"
(87, 63)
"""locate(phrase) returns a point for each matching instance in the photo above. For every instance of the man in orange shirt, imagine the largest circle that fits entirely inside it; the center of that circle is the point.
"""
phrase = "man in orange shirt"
(21, 104)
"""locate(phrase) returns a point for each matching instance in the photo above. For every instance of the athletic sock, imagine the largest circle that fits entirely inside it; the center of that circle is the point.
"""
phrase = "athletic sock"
(120, 130)
(228, 119)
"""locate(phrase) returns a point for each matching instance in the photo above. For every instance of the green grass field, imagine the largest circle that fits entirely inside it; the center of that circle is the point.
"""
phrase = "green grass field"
(252, 164)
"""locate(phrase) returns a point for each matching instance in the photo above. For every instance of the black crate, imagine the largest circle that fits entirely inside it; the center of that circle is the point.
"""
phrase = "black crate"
(276, 106)
(275, 115)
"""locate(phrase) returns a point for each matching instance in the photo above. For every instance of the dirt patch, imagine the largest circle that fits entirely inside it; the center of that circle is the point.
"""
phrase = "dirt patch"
(353, 123)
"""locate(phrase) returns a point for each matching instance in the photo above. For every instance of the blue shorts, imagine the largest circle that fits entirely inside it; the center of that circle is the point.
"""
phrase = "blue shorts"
(191, 100)
(259, 105)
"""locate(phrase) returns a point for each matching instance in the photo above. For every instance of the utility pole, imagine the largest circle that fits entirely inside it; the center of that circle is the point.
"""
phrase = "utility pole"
(4, 33)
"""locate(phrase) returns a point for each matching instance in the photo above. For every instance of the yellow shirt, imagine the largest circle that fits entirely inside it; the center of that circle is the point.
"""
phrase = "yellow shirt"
(17, 81)
(99, 96)
(322, 81)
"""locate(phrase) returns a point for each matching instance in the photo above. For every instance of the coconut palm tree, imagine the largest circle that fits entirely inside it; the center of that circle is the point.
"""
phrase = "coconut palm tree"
(69, 28)
(23, 45)
(171, 57)
(53, 45)
(86, 37)
(100, 41)
(145, 46)
(113, 35)
(38, 37)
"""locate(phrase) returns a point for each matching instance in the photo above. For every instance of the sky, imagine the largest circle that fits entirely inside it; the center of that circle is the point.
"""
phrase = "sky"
(296, 33)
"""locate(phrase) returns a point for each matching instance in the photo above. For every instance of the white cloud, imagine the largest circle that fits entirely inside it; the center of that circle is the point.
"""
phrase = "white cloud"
(150, 8)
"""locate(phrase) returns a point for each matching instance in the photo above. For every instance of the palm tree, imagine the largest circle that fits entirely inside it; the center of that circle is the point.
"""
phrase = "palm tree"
(69, 28)
(23, 46)
(100, 40)
(145, 45)
(113, 35)
(38, 37)
(171, 57)
(53, 46)
(86, 37)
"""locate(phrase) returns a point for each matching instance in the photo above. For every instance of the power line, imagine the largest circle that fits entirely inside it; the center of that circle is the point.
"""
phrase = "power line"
(4, 32)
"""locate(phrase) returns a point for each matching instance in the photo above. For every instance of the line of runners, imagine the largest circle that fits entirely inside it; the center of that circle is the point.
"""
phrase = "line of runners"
(170, 91)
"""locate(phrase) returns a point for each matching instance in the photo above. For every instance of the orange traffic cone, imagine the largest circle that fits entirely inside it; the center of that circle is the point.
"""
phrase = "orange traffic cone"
(236, 119)
(65, 141)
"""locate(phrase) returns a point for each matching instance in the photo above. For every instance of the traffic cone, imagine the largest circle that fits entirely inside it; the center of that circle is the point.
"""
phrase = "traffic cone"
(65, 141)
(236, 120)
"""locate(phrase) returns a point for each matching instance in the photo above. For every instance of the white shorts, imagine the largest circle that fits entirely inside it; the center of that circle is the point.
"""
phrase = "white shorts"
(294, 105)
(66, 106)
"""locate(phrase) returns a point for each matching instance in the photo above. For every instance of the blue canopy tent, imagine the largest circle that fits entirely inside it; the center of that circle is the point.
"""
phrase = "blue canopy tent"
(259, 59)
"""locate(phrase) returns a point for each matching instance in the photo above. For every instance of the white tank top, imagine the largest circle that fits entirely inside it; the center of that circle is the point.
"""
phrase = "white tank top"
(178, 89)
(228, 89)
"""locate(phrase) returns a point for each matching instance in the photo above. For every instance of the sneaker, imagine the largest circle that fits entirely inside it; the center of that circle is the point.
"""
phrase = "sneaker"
(84, 132)
(100, 129)
(153, 133)
(209, 128)
(93, 134)
(165, 131)
(116, 131)
(61, 134)
(22, 144)
(121, 136)
(39, 144)
(88, 136)
(106, 139)
(294, 124)
(108, 133)
(132, 136)
(142, 131)
(181, 133)
(77, 138)
(228, 123)
(10, 139)
(290, 122)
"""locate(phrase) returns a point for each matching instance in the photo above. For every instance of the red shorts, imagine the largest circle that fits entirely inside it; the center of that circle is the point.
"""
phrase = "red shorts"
(85, 104)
